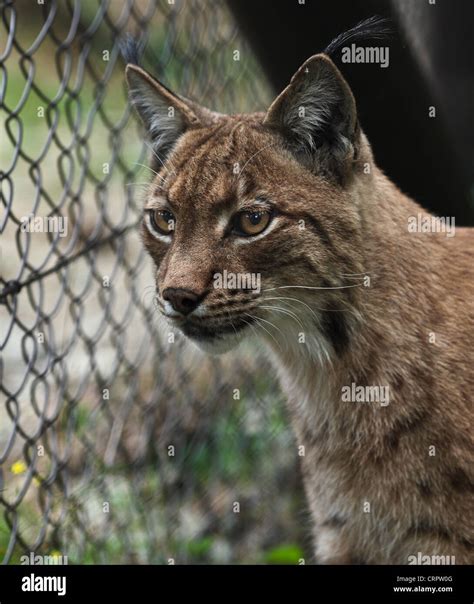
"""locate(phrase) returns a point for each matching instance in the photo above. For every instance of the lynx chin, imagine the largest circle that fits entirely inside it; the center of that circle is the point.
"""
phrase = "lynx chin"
(382, 480)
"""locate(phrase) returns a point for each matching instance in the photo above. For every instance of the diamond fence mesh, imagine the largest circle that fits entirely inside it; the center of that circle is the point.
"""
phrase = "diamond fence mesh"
(115, 445)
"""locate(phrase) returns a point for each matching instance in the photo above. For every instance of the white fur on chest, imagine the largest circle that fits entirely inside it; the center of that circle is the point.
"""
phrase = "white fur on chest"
(313, 393)
(307, 379)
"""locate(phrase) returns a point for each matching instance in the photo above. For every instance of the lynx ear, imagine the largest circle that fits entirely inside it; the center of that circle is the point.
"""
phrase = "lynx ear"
(165, 115)
(316, 113)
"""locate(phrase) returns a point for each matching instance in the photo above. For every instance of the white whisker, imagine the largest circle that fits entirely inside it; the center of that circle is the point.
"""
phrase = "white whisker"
(251, 157)
(159, 158)
(295, 300)
(151, 170)
(311, 287)
(258, 319)
(286, 312)
(251, 326)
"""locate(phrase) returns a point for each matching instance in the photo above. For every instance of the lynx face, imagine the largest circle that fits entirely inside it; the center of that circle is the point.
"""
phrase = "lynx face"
(267, 199)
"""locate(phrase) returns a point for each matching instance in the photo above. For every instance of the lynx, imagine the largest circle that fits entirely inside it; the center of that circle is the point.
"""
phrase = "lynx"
(350, 299)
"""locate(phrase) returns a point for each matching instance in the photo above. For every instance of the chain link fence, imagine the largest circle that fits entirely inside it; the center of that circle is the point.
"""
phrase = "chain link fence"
(115, 446)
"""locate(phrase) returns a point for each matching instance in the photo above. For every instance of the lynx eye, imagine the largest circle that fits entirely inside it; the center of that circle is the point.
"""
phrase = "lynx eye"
(251, 222)
(162, 221)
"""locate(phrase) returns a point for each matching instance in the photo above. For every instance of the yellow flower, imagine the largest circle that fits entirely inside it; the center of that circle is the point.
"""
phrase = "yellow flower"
(55, 553)
(19, 467)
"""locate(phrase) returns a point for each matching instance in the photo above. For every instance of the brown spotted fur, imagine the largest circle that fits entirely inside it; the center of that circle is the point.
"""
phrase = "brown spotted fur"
(355, 224)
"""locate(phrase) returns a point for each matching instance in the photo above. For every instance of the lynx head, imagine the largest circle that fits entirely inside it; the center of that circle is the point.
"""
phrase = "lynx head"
(253, 220)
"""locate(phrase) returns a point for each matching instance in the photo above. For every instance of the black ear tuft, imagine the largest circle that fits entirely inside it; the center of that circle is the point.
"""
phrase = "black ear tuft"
(131, 49)
(376, 28)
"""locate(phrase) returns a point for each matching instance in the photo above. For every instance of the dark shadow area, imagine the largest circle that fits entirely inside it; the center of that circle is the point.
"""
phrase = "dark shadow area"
(431, 65)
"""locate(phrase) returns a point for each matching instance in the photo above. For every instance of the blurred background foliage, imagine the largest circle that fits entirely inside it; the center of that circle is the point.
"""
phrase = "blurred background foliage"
(107, 489)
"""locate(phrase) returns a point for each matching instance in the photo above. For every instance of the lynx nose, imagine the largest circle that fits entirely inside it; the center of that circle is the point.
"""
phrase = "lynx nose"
(182, 300)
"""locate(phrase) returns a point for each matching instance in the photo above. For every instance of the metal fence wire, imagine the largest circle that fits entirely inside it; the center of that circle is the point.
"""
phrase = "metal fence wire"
(115, 445)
